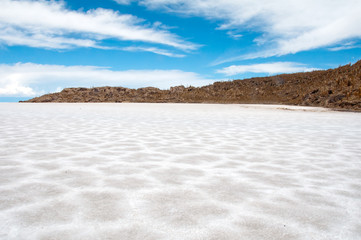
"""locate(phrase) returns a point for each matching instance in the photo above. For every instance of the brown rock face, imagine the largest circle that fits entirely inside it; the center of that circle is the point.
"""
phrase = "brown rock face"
(338, 88)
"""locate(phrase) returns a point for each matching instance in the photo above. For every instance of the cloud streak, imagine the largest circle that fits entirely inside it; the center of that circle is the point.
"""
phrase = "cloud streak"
(48, 24)
(285, 26)
(29, 79)
(270, 68)
(153, 50)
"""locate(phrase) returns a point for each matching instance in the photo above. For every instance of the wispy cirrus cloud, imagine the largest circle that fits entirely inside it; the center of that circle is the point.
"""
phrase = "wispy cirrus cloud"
(30, 79)
(345, 46)
(270, 68)
(284, 26)
(153, 50)
(49, 24)
(124, 2)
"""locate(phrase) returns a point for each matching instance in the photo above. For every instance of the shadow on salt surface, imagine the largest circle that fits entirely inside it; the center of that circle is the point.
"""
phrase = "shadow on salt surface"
(169, 171)
(47, 213)
(125, 231)
(255, 228)
(174, 207)
(225, 189)
(128, 183)
(177, 175)
(102, 206)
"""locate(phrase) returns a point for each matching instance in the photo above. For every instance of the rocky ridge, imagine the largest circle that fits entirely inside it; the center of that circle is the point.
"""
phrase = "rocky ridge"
(338, 88)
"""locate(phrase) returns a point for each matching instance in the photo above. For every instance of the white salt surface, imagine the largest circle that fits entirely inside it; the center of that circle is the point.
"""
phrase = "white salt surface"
(177, 171)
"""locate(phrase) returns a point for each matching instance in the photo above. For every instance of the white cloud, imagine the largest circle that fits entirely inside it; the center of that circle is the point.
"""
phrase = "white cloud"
(48, 24)
(270, 68)
(285, 26)
(346, 46)
(29, 79)
(124, 2)
(15, 89)
(12, 37)
(153, 50)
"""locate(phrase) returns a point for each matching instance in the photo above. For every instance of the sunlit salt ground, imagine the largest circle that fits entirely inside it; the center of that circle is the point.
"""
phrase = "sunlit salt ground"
(177, 171)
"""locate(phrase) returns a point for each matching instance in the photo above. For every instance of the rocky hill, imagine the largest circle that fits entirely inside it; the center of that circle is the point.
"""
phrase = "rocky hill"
(338, 88)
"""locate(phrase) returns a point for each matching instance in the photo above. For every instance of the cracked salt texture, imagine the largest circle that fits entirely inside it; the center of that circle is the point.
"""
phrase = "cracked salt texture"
(178, 171)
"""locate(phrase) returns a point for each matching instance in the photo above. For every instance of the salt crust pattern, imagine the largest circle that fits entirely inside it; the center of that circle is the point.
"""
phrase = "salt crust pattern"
(178, 171)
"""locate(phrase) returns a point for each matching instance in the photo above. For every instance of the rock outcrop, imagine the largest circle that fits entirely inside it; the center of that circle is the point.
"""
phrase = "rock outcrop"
(338, 88)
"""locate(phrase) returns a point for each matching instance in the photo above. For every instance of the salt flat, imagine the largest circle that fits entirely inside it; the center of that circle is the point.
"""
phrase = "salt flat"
(178, 171)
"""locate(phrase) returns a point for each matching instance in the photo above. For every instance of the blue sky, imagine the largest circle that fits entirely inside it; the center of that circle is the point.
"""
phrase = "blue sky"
(46, 46)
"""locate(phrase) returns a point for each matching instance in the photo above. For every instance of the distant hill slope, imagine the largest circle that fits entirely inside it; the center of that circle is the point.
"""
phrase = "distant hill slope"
(338, 88)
